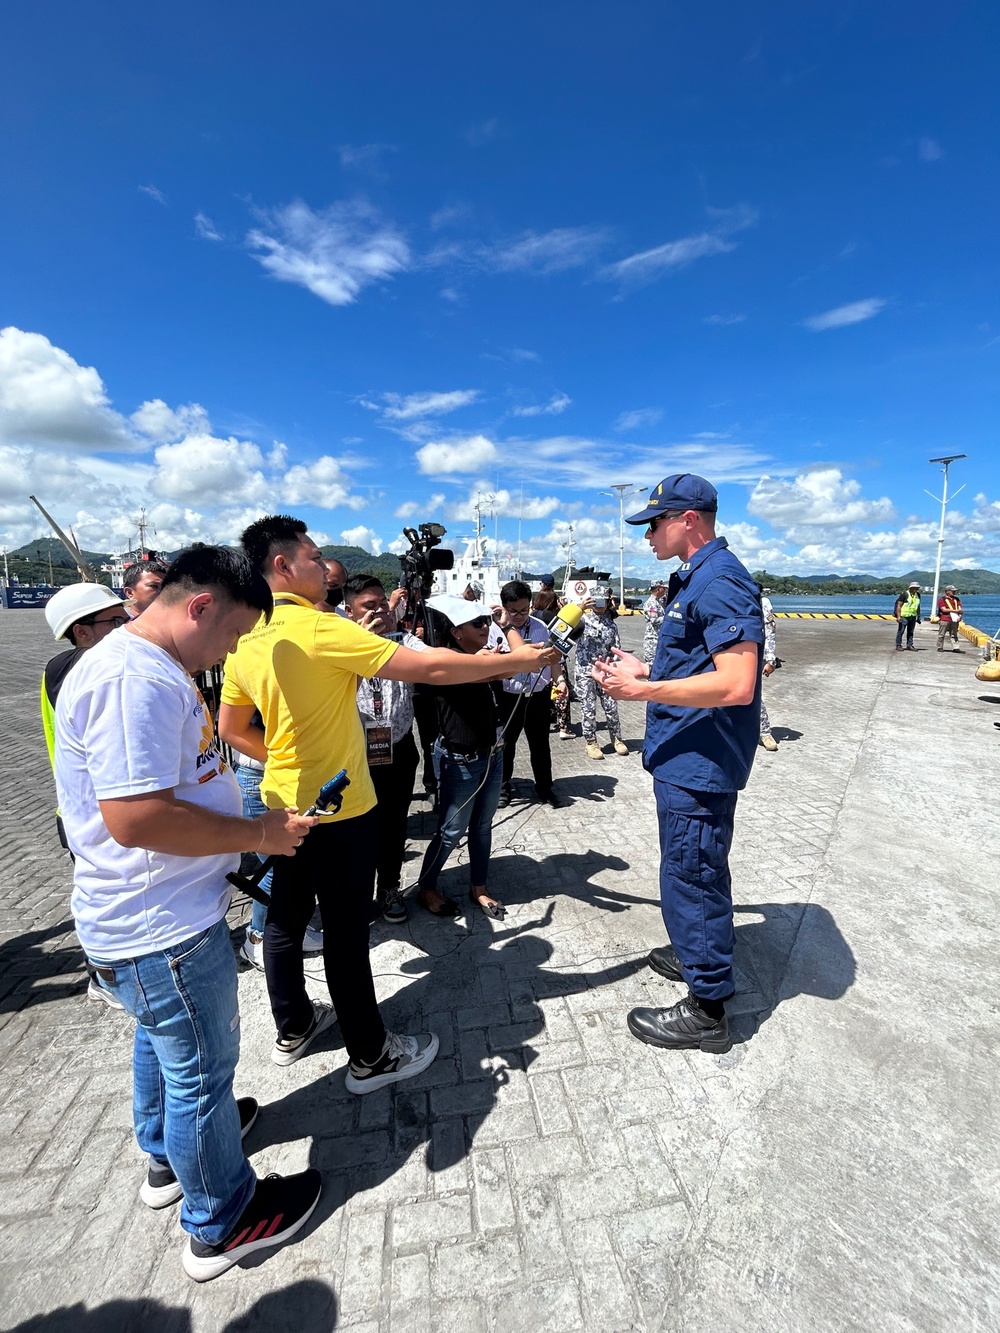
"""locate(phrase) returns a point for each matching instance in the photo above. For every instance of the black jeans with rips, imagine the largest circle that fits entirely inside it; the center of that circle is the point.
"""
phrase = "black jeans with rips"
(334, 867)
(394, 787)
(528, 713)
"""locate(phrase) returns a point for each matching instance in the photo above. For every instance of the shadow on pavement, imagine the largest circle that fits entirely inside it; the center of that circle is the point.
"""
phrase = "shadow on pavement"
(795, 949)
(22, 958)
(303, 1307)
(360, 1143)
(786, 734)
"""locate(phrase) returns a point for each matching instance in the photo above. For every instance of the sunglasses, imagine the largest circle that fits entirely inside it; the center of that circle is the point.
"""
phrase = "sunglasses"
(480, 622)
(661, 518)
(115, 620)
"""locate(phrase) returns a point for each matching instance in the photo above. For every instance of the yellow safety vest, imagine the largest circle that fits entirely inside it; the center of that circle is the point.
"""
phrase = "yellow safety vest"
(911, 607)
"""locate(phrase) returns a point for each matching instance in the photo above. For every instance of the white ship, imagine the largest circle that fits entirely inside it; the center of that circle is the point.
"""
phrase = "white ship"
(478, 567)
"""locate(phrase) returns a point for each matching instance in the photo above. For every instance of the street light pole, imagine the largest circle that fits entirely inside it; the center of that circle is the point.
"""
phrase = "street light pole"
(946, 462)
(622, 490)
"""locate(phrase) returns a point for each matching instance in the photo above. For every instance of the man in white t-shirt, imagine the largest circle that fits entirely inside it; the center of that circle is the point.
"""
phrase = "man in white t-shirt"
(152, 816)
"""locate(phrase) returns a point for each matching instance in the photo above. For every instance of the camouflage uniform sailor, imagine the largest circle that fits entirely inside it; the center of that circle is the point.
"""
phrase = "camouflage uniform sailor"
(600, 635)
(770, 662)
(653, 609)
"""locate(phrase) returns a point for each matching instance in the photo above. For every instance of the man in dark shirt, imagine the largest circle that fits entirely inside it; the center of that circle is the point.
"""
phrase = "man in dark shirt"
(702, 692)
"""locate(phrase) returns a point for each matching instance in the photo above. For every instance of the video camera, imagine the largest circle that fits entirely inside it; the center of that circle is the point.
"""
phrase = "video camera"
(419, 564)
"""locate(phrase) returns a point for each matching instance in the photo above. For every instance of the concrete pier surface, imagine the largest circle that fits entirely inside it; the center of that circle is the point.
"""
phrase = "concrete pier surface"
(837, 1169)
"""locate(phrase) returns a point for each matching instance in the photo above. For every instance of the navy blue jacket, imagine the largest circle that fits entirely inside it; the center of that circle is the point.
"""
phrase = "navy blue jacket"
(711, 604)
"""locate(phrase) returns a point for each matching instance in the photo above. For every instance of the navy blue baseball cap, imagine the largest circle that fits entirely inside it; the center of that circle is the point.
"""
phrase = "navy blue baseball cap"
(681, 491)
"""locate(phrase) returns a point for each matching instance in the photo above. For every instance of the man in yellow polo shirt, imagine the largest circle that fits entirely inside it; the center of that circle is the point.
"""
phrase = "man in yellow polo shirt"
(300, 672)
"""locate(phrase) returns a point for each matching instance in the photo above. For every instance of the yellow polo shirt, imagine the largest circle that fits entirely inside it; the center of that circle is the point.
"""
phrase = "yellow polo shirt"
(300, 671)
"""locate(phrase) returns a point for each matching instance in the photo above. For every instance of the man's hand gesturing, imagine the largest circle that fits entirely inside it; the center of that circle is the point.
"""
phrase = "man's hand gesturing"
(621, 678)
(284, 831)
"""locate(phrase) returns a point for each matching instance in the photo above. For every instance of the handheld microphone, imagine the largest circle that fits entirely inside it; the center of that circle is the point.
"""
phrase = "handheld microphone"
(563, 629)
(329, 801)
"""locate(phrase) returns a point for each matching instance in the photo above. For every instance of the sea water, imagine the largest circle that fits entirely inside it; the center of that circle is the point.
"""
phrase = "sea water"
(982, 611)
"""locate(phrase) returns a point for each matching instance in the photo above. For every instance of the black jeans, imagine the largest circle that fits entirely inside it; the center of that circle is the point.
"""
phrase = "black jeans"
(528, 713)
(426, 717)
(335, 867)
(393, 786)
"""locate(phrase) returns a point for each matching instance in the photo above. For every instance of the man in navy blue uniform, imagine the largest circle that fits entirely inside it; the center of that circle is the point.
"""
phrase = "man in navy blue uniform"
(702, 692)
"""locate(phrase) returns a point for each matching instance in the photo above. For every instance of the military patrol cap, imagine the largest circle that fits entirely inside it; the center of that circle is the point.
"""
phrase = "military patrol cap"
(681, 491)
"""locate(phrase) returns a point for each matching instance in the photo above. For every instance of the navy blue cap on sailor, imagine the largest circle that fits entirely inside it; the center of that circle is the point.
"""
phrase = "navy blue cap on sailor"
(682, 490)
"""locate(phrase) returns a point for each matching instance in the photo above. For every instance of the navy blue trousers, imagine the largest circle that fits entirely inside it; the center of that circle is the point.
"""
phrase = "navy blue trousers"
(696, 893)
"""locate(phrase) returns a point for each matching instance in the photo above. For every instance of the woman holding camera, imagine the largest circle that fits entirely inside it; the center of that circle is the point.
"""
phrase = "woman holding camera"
(467, 761)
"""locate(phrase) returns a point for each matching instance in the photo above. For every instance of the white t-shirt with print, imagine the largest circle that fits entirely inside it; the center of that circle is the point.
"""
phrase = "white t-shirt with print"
(129, 720)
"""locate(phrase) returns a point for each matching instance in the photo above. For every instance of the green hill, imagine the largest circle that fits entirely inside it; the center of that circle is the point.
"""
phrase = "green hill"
(356, 560)
(967, 581)
(30, 562)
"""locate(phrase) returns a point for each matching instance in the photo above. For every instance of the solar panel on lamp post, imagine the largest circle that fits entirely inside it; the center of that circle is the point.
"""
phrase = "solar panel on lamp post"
(946, 462)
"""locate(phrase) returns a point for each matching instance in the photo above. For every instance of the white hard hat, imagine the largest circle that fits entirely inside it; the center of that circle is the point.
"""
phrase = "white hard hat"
(72, 603)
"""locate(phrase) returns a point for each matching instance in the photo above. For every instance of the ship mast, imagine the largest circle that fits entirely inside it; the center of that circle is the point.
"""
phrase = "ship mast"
(569, 546)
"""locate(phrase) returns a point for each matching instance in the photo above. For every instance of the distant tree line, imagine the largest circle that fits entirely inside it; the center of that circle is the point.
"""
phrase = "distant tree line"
(967, 581)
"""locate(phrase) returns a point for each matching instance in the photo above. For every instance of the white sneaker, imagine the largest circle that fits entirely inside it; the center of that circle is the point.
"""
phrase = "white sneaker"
(566, 736)
(402, 1057)
(95, 991)
(313, 942)
(286, 1050)
(252, 950)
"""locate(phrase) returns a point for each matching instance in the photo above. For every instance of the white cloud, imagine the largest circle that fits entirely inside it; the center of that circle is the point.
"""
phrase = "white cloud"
(821, 497)
(364, 537)
(322, 483)
(635, 420)
(407, 509)
(211, 471)
(165, 424)
(504, 504)
(723, 321)
(545, 252)
(206, 228)
(483, 132)
(467, 454)
(930, 150)
(154, 193)
(411, 406)
(556, 405)
(842, 315)
(365, 157)
(334, 253)
(449, 215)
(47, 398)
(648, 265)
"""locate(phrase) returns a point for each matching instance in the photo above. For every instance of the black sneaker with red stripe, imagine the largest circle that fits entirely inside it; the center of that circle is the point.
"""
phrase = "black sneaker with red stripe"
(280, 1205)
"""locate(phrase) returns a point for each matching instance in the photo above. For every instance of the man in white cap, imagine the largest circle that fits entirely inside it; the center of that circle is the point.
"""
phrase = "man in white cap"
(949, 609)
(907, 613)
(81, 614)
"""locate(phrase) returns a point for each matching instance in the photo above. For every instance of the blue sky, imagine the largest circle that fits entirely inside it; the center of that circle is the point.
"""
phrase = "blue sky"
(363, 263)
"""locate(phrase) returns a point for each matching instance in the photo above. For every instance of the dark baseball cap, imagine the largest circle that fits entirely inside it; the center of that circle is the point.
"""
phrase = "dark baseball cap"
(681, 491)
(547, 581)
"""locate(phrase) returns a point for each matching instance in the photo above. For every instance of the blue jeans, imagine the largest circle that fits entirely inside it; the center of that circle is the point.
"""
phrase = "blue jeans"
(906, 623)
(187, 1043)
(696, 891)
(468, 792)
(249, 780)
